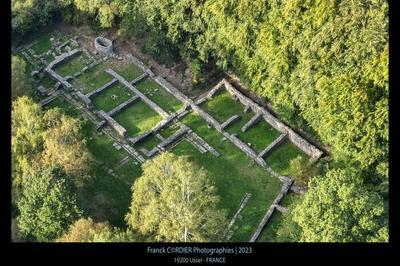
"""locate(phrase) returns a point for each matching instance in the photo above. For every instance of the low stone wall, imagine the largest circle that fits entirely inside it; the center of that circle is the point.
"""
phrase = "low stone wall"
(138, 79)
(149, 102)
(171, 89)
(49, 99)
(84, 99)
(105, 86)
(117, 127)
(254, 120)
(171, 139)
(284, 189)
(229, 121)
(210, 120)
(301, 143)
(136, 61)
(201, 143)
(242, 203)
(273, 145)
(214, 90)
(136, 139)
(63, 57)
(123, 105)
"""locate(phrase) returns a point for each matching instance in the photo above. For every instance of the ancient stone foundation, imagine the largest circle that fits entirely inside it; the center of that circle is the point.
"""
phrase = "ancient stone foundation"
(103, 45)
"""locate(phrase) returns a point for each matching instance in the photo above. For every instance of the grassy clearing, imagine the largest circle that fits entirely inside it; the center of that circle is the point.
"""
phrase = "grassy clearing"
(128, 71)
(279, 159)
(111, 97)
(159, 95)
(168, 131)
(72, 66)
(42, 45)
(137, 118)
(93, 79)
(234, 174)
(222, 106)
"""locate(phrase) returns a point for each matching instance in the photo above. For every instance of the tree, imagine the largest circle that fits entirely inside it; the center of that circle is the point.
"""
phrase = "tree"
(47, 205)
(20, 85)
(339, 208)
(63, 144)
(44, 138)
(301, 170)
(85, 230)
(175, 201)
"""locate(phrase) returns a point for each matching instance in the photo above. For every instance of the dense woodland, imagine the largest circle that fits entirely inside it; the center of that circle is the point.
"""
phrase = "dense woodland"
(323, 65)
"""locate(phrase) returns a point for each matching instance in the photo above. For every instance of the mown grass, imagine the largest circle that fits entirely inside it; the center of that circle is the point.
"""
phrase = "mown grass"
(279, 159)
(93, 79)
(222, 106)
(71, 66)
(137, 118)
(128, 71)
(260, 135)
(111, 97)
(159, 95)
(234, 175)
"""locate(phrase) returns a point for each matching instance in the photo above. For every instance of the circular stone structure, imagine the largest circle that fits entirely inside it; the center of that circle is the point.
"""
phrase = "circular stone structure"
(103, 45)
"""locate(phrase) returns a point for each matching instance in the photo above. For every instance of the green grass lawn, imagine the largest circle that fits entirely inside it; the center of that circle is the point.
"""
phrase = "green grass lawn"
(222, 106)
(65, 106)
(168, 130)
(106, 99)
(72, 65)
(42, 45)
(128, 71)
(137, 118)
(279, 159)
(93, 79)
(108, 197)
(234, 175)
(159, 95)
(260, 135)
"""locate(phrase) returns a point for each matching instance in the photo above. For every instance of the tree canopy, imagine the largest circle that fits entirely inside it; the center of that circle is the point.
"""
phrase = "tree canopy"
(175, 201)
(48, 205)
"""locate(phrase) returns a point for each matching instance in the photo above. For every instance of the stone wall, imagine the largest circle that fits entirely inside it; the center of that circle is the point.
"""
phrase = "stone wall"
(84, 99)
(117, 127)
(123, 105)
(273, 145)
(301, 143)
(138, 79)
(171, 89)
(144, 98)
(171, 139)
(229, 121)
(105, 86)
(284, 189)
(254, 120)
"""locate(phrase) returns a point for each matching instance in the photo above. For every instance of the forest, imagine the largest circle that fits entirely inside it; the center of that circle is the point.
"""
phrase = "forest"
(322, 65)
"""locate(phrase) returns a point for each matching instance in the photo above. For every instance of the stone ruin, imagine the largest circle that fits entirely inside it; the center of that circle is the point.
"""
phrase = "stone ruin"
(103, 46)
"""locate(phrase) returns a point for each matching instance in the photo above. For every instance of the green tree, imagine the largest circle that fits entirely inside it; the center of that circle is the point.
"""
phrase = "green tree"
(20, 85)
(47, 205)
(338, 208)
(85, 230)
(175, 201)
